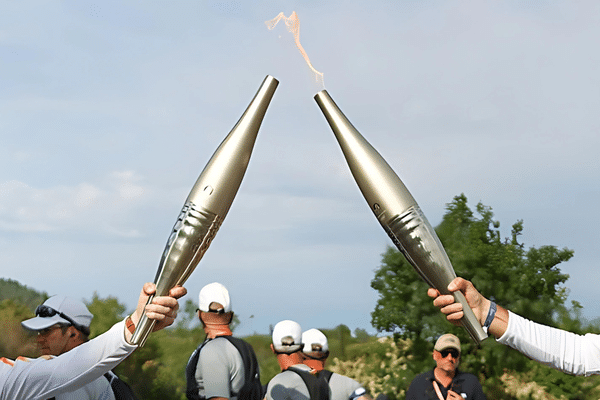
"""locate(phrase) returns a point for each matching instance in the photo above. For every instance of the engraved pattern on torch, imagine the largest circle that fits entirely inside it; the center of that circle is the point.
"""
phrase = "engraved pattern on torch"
(208, 202)
(412, 233)
(192, 234)
(396, 209)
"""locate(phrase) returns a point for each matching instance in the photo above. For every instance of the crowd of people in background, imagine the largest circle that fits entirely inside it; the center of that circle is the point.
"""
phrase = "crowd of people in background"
(226, 367)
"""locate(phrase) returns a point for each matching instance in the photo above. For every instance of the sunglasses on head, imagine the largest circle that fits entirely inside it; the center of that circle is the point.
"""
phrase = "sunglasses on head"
(453, 352)
(45, 311)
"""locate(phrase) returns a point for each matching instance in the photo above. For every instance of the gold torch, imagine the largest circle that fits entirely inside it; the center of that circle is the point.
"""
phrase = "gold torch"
(396, 209)
(208, 203)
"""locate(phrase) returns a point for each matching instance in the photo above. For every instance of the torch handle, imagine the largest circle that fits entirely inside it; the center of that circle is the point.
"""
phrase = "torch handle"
(143, 328)
(469, 320)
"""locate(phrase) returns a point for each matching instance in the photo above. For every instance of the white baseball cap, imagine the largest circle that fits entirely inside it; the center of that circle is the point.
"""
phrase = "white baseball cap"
(314, 340)
(214, 293)
(60, 310)
(287, 337)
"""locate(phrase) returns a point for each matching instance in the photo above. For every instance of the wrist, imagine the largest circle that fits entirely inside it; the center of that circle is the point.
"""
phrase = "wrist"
(130, 325)
(129, 328)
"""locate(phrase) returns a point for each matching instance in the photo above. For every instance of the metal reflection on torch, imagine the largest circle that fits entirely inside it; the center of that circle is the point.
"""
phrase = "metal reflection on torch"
(396, 209)
(208, 203)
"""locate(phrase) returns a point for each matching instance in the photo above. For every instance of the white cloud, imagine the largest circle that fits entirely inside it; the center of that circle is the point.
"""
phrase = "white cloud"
(103, 207)
(108, 118)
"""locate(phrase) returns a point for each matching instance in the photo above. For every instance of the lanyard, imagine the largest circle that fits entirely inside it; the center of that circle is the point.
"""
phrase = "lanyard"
(438, 391)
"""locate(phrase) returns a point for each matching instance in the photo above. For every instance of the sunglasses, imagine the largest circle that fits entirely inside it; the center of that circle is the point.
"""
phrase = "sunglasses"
(454, 353)
(219, 311)
(46, 312)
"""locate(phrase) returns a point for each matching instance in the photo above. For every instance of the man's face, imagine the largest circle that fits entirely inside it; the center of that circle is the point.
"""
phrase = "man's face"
(447, 360)
(53, 340)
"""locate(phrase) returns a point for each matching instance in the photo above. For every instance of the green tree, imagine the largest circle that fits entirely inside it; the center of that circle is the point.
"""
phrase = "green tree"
(13, 290)
(107, 312)
(527, 281)
(15, 340)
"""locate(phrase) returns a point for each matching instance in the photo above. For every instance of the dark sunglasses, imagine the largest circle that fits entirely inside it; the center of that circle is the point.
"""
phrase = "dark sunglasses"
(454, 353)
(219, 311)
(47, 312)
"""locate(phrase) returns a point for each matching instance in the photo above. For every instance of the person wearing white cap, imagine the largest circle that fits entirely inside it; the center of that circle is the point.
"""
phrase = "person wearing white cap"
(445, 381)
(294, 382)
(315, 352)
(216, 369)
(63, 323)
(41, 379)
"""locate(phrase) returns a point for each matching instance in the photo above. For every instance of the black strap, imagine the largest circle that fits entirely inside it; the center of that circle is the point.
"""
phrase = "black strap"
(191, 390)
(325, 374)
(120, 388)
(251, 369)
(318, 386)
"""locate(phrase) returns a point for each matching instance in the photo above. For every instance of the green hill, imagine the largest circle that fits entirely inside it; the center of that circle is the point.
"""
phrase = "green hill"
(13, 290)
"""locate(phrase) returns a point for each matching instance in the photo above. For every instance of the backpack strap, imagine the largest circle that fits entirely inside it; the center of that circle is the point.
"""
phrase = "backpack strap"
(251, 370)
(191, 390)
(120, 389)
(325, 374)
(317, 386)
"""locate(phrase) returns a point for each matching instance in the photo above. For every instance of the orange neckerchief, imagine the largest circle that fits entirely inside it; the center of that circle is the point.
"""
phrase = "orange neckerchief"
(315, 365)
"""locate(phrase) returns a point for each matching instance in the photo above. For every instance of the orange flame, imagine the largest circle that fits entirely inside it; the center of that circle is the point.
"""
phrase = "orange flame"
(293, 26)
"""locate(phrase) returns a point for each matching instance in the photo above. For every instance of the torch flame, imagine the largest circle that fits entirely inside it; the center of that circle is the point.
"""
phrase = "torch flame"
(293, 26)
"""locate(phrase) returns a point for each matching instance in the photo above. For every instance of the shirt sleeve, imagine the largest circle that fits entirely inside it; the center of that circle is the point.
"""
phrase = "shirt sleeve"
(42, 379)
(350, 388)
(559, 349)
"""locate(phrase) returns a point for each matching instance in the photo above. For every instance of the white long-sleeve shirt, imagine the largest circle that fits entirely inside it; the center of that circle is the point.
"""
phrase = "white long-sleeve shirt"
(96, 390)
(562, 350)
(41, 379)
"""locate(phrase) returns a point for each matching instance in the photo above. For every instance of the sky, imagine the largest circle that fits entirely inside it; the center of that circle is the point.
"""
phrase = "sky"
(109, 111)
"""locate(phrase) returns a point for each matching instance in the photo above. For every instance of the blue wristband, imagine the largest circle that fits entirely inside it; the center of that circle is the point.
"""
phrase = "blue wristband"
(490, 316)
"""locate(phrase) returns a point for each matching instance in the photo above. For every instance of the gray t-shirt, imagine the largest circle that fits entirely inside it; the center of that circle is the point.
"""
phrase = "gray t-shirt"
(344, 388)
(220, 370)
(288, 385)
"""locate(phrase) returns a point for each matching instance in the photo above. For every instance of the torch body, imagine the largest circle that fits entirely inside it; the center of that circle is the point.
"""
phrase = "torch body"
(208, 202)
(396, 209)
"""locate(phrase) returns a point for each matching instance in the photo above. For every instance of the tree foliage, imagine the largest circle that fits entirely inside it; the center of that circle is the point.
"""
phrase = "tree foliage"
(527, 281)
(14, 340)
(13, 290)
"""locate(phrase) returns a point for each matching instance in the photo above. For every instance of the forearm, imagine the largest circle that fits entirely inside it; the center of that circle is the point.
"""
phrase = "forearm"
(562, 350)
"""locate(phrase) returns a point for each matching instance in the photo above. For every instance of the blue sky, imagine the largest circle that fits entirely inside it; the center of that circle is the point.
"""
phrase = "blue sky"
(109, 111)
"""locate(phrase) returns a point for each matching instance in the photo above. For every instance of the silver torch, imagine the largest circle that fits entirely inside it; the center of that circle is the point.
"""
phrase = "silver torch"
(396, 209)
(208, 203)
